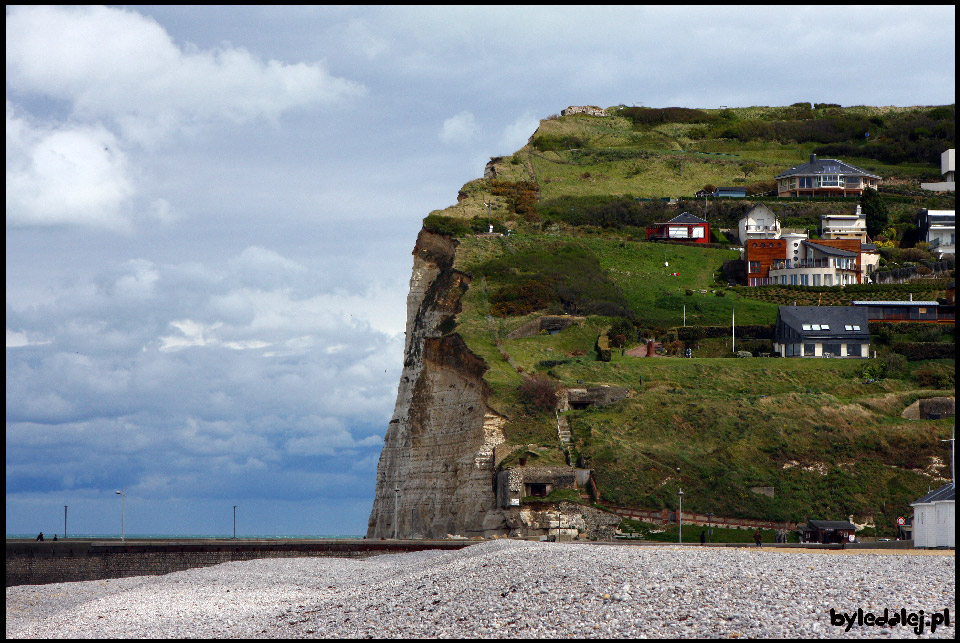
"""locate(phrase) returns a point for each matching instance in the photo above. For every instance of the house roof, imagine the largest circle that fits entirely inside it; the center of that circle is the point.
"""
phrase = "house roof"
(809, 321)
(896, 303)
(759, 209)
(686, 217)
(832, 524)
(825, 166)
(946, 492)
(830, 250)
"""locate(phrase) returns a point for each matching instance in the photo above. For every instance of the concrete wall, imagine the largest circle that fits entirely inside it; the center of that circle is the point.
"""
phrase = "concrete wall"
(37, 563)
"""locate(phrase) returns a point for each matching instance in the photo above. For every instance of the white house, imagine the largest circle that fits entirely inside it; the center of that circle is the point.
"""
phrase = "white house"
(948, 169)
(844, 226)
(934, 518)
(939, 229)
(759, 223)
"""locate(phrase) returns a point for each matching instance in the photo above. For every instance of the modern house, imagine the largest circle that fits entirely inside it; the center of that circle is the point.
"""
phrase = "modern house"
(821, 331)
(895, 311)
(759, 223)
(819, 264)
(934, 518)
(795, 260)
(825, 178)
(939, 229)
(683, 227)
(948, 169)
(844, 226)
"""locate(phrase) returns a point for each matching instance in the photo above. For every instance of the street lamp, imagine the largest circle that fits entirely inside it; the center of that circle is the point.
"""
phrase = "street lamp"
(123, 514)
(709, 527)
(680, 519)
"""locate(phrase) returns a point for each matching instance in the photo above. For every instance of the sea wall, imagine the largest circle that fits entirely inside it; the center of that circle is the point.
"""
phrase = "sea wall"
(38, 563)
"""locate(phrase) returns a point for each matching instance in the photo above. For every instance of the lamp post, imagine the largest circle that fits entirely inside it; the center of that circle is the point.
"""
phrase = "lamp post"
(680, 518)
(123, 514)
(396, 509)
(709, 527)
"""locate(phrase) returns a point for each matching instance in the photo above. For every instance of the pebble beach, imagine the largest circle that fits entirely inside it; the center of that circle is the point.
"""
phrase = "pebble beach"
(509, 589)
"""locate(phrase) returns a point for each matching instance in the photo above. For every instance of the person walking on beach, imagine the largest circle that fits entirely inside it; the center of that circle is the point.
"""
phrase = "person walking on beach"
(703, 537)
(758, 537)
(40, 536)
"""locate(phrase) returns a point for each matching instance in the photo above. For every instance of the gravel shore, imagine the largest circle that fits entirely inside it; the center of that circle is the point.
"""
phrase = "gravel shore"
(503, 589)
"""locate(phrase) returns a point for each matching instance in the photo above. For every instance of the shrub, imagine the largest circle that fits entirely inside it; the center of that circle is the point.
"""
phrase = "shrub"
(914, 351)
(449, 226)
(939, 378)
(539, 393)
(895, 365)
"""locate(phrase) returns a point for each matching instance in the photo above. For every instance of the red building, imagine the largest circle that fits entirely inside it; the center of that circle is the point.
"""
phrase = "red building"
(684, 227)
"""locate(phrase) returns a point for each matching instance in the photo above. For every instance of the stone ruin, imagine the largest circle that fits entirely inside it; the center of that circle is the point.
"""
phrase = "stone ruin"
(589, 110)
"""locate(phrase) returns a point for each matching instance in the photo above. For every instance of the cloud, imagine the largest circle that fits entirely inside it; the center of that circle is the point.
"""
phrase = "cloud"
(116, 63)
(125, 86)
(516, 134)
(459, 129)
(62, 174)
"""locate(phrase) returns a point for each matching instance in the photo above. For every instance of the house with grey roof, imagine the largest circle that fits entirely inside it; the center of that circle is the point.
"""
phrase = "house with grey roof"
(817, 264)
(934, 518)
(844, 226)
(683, 227)
(825, 177)
(821, 331)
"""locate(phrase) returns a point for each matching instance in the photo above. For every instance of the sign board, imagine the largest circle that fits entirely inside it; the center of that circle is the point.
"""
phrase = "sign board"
(514, 502)
(901, 521)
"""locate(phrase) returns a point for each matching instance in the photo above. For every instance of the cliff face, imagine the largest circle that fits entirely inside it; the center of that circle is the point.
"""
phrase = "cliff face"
(438, 450)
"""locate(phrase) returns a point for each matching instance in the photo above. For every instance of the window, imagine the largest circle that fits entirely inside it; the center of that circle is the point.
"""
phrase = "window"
(809, 350)
(847, 327)
(816, 280)
(854, 350)
(805, 326)
(833, 349)
(830, 180)
(804, 279)
(793, 280)
(816, 327)
(852, 181)
(856, 327)
(806, 181)
(825, 326)
(828, 280)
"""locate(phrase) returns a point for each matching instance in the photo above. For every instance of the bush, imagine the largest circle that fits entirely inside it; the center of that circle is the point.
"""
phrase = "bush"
(914, 351)
(449, 226)
(939, 378)
(895, 365)
(539, 393)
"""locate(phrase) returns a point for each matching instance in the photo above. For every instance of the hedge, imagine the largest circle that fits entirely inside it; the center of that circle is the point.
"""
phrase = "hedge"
(914, 351)
(744, 331)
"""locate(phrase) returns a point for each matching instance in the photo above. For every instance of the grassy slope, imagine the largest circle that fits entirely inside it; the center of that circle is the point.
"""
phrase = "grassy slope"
(828, 443)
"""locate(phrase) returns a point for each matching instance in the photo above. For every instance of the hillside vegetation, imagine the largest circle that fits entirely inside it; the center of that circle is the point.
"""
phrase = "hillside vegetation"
(827, 435)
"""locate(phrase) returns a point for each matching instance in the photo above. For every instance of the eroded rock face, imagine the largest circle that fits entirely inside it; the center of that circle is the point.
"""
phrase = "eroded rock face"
(439, 446)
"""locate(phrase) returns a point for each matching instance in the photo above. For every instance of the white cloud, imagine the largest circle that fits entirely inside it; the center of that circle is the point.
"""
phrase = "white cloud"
(117, 63)
(459, 129)
(62, 174)
(516, 134)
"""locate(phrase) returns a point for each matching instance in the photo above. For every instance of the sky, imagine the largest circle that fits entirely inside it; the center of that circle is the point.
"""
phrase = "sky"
(211, 213)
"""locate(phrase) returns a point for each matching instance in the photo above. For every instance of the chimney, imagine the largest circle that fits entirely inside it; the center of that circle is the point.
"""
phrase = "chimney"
(813, 158)
(911, 296)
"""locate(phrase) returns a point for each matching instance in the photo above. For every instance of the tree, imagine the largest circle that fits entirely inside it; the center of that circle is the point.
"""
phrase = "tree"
(875, 210)
(748, 168)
